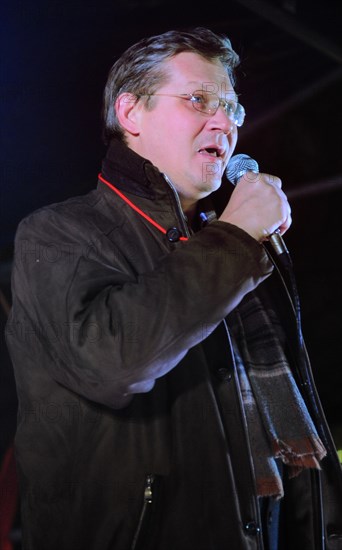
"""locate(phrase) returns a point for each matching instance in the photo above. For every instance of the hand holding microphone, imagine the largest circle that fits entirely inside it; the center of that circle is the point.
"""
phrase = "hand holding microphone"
(257, 205)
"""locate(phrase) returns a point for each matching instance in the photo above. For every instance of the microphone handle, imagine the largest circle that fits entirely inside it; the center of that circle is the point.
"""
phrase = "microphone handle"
(278, 243)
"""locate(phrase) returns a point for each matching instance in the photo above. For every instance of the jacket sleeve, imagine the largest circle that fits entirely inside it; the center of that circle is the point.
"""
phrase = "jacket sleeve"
(110, 331)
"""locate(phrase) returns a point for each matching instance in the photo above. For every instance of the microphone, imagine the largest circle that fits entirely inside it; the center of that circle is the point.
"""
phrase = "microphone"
(237, 167)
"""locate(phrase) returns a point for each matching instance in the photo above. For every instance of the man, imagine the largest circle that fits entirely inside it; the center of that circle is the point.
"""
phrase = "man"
(162, 403)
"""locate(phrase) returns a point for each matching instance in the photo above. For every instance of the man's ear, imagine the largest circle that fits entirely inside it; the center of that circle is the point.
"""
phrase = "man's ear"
(127, 108)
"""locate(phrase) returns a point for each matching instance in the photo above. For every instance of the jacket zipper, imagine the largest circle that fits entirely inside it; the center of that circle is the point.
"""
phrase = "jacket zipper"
(245, 429)
(147, 502)
(180, 212)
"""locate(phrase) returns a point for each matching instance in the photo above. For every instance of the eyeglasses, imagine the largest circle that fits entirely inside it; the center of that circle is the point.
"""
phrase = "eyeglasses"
(208, 103)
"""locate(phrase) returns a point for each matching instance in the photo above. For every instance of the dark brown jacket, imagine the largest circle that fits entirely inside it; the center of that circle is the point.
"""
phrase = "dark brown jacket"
(131, 431)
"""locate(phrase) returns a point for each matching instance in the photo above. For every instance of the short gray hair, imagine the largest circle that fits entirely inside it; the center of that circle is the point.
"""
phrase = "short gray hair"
(140, 70)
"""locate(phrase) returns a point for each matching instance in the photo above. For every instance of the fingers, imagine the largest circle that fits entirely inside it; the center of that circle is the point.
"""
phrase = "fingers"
(276, 182)
(258, 177)
(272, 180)
(285, 210)
(259, 206)
(286, 224)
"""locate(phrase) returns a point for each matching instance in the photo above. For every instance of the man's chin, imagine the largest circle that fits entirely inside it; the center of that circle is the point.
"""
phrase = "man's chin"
(211, 186)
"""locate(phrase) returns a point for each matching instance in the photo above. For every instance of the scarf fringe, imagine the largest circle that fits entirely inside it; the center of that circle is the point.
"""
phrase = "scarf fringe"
(278, 421)
(297, 455)
(271, 486)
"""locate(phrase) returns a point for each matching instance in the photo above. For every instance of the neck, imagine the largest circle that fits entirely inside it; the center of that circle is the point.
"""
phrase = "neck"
(189, 209)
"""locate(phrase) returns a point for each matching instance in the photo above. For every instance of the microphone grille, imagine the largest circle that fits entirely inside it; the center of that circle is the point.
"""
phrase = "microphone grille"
(239, 165)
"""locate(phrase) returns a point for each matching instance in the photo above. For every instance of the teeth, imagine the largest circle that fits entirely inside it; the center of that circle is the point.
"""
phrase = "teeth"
(210, 151)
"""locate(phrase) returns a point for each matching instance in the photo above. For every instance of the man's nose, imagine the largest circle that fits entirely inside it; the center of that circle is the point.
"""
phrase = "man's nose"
(222, 121)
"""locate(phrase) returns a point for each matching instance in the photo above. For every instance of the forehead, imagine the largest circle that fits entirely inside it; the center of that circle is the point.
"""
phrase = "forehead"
(190, 71)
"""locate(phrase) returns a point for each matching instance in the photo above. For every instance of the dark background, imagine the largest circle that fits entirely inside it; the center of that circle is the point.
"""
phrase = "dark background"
(55, 61)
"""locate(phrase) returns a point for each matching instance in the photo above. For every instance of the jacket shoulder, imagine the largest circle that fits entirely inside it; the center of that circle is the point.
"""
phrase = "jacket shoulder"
(80, 215)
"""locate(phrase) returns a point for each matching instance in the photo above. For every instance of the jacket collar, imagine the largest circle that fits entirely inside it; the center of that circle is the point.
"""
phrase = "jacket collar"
(132, 173)
(137, 176)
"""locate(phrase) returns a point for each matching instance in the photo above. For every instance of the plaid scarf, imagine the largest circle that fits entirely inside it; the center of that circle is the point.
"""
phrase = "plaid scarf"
(279, 424)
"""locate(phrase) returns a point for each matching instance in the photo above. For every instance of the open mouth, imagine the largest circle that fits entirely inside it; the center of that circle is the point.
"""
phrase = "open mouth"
(212, 151)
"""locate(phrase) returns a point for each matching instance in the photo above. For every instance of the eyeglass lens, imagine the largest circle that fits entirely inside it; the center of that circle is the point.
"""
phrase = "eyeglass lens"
(209, 103)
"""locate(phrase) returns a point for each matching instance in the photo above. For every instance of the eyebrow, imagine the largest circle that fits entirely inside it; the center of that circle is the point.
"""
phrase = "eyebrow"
(201, 86)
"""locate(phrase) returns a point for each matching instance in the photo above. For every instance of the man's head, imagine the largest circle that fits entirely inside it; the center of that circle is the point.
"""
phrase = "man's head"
(171, 99)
